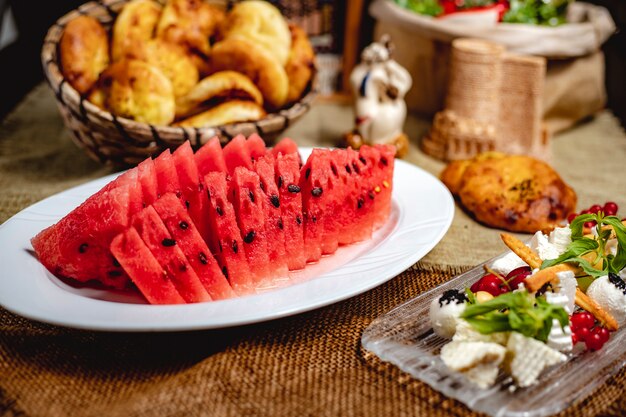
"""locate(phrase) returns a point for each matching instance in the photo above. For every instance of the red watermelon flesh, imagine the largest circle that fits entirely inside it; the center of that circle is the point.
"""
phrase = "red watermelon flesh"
(77, 246)
(225, 238)
(191, 188)
(348, 201)
(210, 157)
(148, 181)
(274, 226)
(165, 170)
(382, 157)
(145, 271)
(236, 154)
(256, 147)
(285, 147)
(247, 199)
(362, 203)
(131, 180)
(165, 249)
(287, 173)
(184, 232)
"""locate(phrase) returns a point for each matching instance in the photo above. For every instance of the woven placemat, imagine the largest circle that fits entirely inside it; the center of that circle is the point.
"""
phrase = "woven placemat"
(307, 365)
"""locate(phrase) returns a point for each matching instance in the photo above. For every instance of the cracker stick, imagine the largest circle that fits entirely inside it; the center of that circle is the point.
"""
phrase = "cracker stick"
(534, 282)
(583, 301)
(521, 250)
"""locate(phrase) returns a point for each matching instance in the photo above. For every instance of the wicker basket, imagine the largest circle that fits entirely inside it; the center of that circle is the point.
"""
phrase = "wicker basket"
(111, 139)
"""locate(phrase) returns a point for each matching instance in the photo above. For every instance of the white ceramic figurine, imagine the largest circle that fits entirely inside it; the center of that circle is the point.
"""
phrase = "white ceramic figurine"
(379, 84)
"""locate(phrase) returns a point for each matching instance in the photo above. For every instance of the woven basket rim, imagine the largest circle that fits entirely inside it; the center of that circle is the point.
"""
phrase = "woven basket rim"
(50, 59)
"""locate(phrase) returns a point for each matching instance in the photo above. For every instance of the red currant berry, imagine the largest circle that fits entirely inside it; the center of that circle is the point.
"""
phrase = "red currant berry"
(581, 320)
(595, 209)
(602, 332)
(571, 217)
(590, 224)
(610, 208)
(517, 276)
(594, 342)
(491, 287)
(475, 287)
(574, 339)
(585, 211)
(582, 334)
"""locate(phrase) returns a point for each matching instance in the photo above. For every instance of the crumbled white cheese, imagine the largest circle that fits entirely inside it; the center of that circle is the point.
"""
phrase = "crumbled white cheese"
(444, 318)
(566, 286)
(507, 263)
(466, 333)
(478, 361)
(560, 238)
(527, 358)
(483, 375)
(609, 297)
(560, 338)
(542, 246)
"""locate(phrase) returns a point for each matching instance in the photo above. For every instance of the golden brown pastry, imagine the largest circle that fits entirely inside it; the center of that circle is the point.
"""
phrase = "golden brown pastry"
(229, 112)
(175, 64)
(190, 24)
(511, 192)
(220, 86)
(137, 90)
(84, 49)
(133, 27)
(300, 64)
(257, 64)
(262, 23)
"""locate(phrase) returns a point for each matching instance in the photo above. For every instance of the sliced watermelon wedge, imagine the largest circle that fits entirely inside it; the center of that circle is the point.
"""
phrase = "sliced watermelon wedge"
(165, 249)
(210, 157)
(148, 181)
(225, 238)
(184, 232)
(236, 154)
(145, 271)
(285, 147)
(256, 147)
(165, 170)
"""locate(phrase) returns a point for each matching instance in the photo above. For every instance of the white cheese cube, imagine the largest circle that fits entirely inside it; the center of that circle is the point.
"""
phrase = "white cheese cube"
(527, 358)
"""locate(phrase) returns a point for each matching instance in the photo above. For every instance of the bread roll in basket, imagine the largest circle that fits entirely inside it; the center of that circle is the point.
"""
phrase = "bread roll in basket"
(113, 139)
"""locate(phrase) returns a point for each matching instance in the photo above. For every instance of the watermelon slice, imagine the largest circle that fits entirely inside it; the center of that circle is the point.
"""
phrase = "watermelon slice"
(247, 199)
(348, 199)
(165, 170)
(380, 160)
(256, 147)
(131, 180)
(77, 246)
(225, 239)
(363, 200)
(274, 226)
(191, 188)
(285, 147)
(165, 249)
(236, 154)
(184, 232)
(210, 157)
(136, 259)
(148, 181)
(287, 174)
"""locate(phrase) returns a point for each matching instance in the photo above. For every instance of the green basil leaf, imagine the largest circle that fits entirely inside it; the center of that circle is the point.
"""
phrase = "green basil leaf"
(491, 324)
(578, 223)
(619, 261)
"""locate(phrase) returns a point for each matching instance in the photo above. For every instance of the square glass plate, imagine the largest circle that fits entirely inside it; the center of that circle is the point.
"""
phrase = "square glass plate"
(404, 337)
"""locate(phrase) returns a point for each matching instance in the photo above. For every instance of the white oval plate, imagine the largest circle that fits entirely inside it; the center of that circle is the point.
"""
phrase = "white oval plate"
(422, 210)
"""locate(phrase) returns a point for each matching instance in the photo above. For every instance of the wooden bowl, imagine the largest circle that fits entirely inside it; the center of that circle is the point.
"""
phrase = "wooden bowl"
(111, 139)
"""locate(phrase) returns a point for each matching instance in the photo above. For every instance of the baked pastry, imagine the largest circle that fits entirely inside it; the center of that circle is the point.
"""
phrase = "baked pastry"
(174, 62)
(84, 49)
(511, 192)
(217, 87)
(232, 111)
(137, 90)
(244, 56)
(300, 63)
(134, 26)
(262, 23)
(190, 24)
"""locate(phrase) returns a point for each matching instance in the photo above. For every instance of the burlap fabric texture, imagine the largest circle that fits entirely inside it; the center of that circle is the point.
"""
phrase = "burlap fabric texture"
(307, 365)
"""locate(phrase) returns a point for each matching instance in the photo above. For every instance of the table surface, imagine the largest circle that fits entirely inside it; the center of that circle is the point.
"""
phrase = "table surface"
(310, 364)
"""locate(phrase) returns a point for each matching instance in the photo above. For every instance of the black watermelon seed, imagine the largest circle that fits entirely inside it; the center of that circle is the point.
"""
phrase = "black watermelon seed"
(251, 195)
(262, 185)
(348, 169)
(371, 195)
(183, 225)
(307, 173)
(187, 204)
(220, 246)
(235, 246)
(298, 219)
(182, 268)
(249, 237)
(356, 168)
(275, 201)
(316, 191)
(384, 161)
(115, 273)
(280, 224)
(293, 188)
(143, 204)
(116, 263)
(83, 248)
(363, 161)
(203, 259)
(208, 193)
(360, 202)
(280, 181)
(225, 271)
(178, 194)
(219, 210)
(334, 169)
(168, 242)
(314, 219)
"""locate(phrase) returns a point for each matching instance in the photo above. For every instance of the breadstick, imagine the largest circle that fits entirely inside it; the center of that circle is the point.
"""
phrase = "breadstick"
(583, 301)
(521, 250)
(534, 282)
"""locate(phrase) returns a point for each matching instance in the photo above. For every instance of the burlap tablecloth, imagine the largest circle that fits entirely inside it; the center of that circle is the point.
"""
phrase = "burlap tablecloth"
(307, 365)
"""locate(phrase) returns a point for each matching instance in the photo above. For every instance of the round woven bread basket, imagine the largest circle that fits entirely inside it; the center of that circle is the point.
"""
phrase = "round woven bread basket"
(110, 139)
